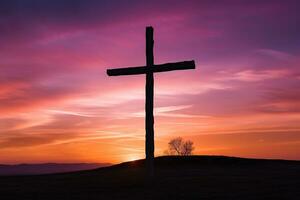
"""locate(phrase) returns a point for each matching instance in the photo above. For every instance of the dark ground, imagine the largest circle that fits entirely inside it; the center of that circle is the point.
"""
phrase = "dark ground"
(194, 177)
(47, 168)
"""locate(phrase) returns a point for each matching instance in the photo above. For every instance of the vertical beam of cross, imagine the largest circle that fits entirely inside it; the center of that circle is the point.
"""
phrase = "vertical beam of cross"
(149, 143)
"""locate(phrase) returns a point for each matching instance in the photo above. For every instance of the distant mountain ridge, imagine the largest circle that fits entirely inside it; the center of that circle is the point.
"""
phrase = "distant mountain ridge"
(47, 168)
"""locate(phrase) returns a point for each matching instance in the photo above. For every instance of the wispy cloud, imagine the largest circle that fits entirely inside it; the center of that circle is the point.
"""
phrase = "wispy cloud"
(64, 112)
(253, 75)
(169, 111)
(276, 54)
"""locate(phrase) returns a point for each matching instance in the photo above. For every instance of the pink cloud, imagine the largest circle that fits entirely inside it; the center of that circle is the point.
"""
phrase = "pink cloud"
(254, 76)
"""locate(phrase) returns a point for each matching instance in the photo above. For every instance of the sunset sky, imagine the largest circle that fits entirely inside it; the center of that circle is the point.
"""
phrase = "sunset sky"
(58, 105)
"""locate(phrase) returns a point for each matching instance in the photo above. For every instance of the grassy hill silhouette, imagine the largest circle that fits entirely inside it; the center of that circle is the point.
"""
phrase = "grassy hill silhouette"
(191, 177)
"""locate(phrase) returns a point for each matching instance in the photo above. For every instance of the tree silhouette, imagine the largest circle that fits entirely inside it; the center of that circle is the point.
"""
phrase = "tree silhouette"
(177, 146)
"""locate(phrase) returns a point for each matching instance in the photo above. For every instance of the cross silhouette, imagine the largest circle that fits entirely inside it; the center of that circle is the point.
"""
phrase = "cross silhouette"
(149, 69)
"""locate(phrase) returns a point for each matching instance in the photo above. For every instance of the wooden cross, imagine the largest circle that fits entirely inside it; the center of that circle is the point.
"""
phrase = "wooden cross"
(149, 69)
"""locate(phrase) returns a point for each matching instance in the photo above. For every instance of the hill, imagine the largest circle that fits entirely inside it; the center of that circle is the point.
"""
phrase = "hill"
(47, 168)
(194, 177)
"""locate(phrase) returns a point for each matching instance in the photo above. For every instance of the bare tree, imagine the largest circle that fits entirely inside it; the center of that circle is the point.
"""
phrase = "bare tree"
(178, 146)
(187, 148)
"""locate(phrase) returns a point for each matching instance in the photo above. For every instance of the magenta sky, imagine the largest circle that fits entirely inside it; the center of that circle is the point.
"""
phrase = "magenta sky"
(57, 104)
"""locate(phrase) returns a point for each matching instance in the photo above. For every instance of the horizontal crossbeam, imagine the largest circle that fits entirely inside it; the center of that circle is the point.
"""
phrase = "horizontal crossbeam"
(156, 68)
